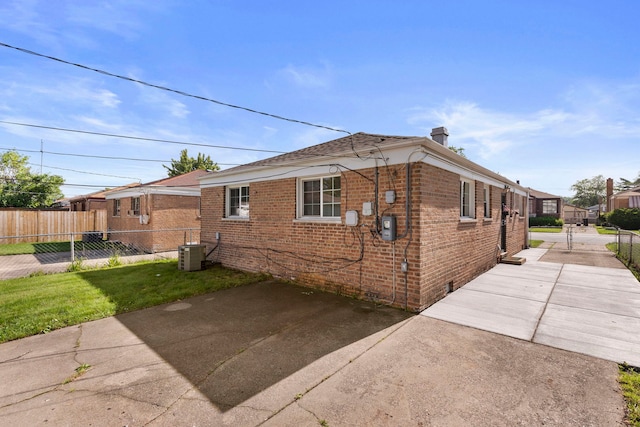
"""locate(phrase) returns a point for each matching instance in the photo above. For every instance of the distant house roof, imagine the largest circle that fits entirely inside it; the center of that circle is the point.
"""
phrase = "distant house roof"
(542, 195)
(182, 185)
(628, 193)
(100, 195)
(574, 207)
(601, 207)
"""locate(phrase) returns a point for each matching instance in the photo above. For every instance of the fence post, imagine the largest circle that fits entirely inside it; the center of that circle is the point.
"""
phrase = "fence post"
(72, 244)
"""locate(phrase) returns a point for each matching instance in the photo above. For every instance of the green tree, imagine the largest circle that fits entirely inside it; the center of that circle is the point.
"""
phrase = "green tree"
(589, 191)
(20, 188)
(626, 184)
(458, 150)
(187, 164)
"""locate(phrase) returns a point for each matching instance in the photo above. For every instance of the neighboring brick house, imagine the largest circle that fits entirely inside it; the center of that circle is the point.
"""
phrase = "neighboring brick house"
(575, 214)
(545, 204)
(157, 216)
(88, 202)
(323, 216)
(93, 201)
(626, 199)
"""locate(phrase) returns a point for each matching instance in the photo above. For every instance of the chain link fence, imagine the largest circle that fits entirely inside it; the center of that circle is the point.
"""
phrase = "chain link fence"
(33, 254)
(629, 248)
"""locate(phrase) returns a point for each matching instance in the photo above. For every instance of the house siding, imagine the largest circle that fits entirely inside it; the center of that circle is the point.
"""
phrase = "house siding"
(439, 248)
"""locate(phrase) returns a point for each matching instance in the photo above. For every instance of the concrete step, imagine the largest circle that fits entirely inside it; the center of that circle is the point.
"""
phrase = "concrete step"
(514, 260)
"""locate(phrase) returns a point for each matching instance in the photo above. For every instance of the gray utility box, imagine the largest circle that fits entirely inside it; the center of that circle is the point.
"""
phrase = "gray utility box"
(191, 257)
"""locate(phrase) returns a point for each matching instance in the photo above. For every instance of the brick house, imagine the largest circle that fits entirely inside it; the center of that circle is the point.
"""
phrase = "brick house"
(625, 199)
(575, 214)
(399, 220)
(93, 201)
(545, 204)
(157, 216)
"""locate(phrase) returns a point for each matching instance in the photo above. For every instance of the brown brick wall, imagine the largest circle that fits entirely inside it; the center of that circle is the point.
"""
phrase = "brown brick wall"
(439, 248)
(166, 212)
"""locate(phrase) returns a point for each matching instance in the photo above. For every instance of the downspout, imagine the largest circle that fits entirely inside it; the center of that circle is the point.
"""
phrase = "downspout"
(408, 230)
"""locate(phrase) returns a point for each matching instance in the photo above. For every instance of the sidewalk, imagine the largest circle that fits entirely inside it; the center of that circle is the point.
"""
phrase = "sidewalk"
(580, 308)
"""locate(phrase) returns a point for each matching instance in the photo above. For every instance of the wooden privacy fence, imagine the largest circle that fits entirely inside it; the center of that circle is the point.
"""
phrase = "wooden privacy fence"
(43, 226)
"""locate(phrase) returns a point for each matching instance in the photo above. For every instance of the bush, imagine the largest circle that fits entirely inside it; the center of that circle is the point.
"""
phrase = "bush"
(545, 221)
(627, 219)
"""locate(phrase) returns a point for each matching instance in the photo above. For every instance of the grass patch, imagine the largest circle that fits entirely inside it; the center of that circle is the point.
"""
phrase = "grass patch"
(546, 229)
(535, 243)
(34, 248)
(629, 378)
(604, 230)
(42, 303)
(633, 268)
(51, 247)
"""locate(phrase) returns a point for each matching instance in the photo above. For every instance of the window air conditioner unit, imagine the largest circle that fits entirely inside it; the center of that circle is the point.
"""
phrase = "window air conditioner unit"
(191, 257)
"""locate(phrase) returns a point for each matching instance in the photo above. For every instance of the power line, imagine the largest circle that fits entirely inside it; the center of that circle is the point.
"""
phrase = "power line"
(102, 157)
(88, 173)
(179, 92)
(139, 138)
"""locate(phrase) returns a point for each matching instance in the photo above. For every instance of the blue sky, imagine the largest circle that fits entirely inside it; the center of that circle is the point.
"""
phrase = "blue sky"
(545, 92)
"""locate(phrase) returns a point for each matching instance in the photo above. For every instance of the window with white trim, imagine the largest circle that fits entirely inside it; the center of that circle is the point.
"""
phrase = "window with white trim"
(135, 206)
(486, 193)
(319, 197)
(238, 202)
(549, 207)
(467, 198)
(519, 205)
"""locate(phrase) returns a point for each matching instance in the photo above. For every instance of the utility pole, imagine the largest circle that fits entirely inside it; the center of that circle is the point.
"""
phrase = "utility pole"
(41, 154)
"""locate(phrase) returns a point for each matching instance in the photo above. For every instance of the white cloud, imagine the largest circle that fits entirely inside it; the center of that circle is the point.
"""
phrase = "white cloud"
(308, 77)
(492, 131)
(162, 101)
(588, 110)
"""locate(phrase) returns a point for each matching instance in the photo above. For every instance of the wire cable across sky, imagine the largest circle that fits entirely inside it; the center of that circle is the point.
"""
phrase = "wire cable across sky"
(179, 92)
(139, 138)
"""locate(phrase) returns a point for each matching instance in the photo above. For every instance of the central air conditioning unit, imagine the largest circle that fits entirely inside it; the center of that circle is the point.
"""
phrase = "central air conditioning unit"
(191, 257)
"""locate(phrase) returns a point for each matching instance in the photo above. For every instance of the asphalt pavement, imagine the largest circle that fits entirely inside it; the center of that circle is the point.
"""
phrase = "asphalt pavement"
(279, 355)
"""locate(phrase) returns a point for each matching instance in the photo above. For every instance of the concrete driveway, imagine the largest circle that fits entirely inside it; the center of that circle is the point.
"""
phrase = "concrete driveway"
(581, 308)
(278, 355)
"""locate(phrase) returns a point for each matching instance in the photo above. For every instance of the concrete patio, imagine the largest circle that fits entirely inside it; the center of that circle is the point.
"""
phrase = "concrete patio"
(580, 308)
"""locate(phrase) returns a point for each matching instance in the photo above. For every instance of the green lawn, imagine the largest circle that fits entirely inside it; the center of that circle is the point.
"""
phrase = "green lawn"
(629, 379)
(34, 248)
(49, 247)
(535, 243)
(546, 229)
(603, 230)
(40, 304)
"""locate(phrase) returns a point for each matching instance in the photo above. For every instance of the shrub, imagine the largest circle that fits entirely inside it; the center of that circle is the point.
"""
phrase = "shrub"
(545, 221)
(627, 219)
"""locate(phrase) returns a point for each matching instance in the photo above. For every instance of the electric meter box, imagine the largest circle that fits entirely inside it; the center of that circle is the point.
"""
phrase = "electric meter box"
(388, 228)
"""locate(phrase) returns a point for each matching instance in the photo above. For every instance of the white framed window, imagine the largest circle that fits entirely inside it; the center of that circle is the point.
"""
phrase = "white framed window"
(238, 202)
(467, 198)
(519, 205)
(116, 207)
(319, 197)
(135, 206)
(549, 207)
(486, 203)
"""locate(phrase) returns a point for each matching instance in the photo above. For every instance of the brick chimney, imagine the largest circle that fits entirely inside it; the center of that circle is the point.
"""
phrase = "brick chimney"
(440, 135)
(609, 194)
